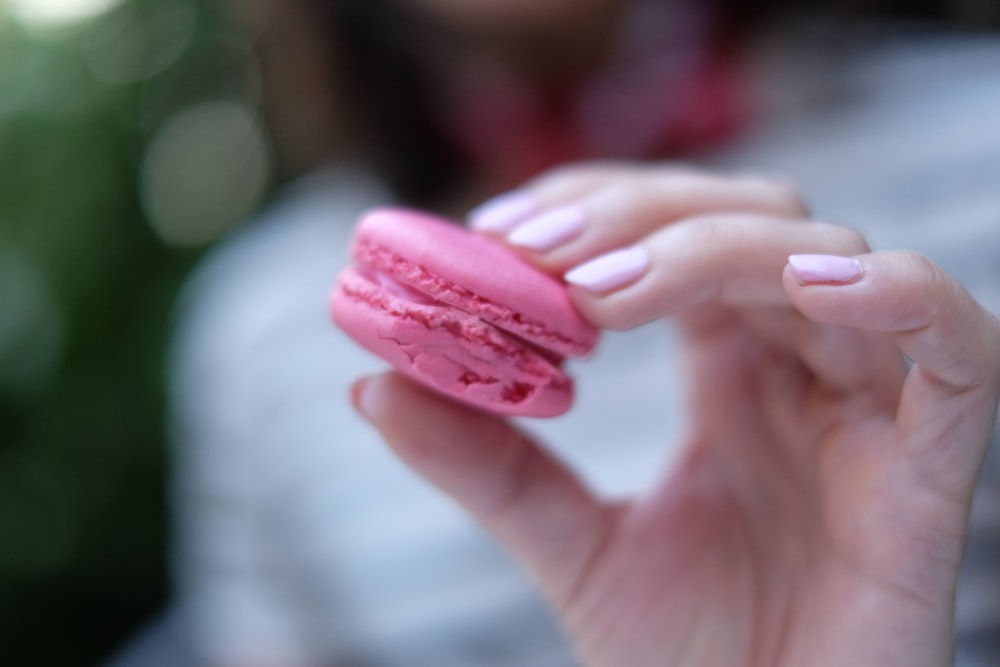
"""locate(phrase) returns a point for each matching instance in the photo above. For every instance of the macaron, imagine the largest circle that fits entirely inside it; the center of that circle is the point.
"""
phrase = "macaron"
(461, 314)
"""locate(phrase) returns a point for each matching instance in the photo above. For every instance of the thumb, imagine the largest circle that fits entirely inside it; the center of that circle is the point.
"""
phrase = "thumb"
(527, 499)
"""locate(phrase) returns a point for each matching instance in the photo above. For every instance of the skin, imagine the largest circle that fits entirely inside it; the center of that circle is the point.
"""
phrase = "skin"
(817, 512)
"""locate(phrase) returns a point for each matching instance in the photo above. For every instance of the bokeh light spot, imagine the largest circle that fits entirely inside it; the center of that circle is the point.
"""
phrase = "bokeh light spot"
(204, 170)
(56, 13)
(137, 43)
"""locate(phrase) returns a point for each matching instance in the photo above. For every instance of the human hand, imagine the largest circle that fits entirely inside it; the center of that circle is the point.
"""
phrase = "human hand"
(817, 512)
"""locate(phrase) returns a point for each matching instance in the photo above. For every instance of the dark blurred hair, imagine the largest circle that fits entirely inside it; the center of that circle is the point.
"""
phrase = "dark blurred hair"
(381, 58)
(383, 54)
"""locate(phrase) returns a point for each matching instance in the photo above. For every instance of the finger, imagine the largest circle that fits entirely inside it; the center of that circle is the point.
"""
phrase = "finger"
(504, 212)
(732, 260)
(519, 492)
(624, 210)
(949, 399)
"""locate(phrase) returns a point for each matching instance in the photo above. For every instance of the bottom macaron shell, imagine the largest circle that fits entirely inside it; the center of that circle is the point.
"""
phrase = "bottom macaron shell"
(451, 351)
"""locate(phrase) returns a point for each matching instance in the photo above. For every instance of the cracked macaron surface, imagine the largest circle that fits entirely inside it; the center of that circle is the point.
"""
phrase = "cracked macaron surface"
(461, 314)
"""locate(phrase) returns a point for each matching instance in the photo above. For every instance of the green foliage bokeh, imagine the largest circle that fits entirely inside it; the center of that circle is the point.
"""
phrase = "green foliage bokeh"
(86, 294)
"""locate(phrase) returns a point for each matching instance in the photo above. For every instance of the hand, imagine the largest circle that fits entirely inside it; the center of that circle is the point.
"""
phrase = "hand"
(817, 514)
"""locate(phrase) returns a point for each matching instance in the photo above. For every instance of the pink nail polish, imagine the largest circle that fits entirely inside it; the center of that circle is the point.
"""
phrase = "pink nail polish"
(829, 269)
(549, 229)
(610, 271)
(502, 213)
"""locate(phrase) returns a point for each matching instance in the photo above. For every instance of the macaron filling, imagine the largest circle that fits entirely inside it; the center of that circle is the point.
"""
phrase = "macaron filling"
(396, 288)
(483, 345)
(375, 258)
(415, 296)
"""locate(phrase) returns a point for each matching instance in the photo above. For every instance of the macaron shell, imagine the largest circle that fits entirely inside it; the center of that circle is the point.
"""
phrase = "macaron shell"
(471, 272)
(453, 352)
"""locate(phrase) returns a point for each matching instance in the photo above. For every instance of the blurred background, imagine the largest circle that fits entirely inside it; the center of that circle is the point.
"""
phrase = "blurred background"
(129, 140)
(132, 136)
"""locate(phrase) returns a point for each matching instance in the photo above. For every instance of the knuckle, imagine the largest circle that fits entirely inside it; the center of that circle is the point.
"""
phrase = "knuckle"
(683, 192)
(567, 175)
(714, 231)
(856, 241)
(847, 240)
(924, 271)
(783, 194)
(934, 294)
(687, 190)
(788, 198)
(623, 195)
(921, 278)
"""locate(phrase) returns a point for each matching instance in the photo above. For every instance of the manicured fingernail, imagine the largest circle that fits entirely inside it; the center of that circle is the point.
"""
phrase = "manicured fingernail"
(830, 269)
(610, 271)
(502, 213)
(549, 229)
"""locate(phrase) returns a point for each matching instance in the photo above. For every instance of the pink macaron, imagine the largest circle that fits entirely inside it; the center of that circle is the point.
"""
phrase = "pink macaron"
(461, 314)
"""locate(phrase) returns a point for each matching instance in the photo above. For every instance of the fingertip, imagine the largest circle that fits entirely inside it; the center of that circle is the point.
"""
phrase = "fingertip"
(833, 289)
(550, 229)
(400, 407)
(624, 288)
(611, 271)
(502, 213)
(373, 396)
(365, 397)
(357, 391)
(826, 301)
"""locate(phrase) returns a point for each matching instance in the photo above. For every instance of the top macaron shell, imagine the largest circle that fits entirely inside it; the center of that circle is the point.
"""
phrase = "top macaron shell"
(473, 273)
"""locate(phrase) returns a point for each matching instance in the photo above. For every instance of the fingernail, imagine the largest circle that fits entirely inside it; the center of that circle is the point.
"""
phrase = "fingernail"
(549, 229)
(831, 269)
(502, 213)
(365, 398)
(610, 271)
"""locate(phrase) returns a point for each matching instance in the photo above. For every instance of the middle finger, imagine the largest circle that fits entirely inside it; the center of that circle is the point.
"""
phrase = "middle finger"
(621, 211)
